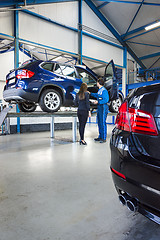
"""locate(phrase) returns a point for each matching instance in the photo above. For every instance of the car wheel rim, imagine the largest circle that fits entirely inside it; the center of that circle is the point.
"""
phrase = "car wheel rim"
(116, 104)
(52, 101)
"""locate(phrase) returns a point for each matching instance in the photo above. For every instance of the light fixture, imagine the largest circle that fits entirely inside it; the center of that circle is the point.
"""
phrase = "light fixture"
(154, 25)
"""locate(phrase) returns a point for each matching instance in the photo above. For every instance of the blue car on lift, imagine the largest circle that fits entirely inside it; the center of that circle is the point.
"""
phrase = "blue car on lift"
(52, 85)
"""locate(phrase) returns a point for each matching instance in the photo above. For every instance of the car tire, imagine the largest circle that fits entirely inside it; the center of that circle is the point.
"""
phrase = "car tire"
(27, 107)
(115, 104)
(50, 100)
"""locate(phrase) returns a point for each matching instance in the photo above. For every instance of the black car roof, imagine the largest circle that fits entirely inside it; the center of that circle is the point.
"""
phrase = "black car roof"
(147, 89)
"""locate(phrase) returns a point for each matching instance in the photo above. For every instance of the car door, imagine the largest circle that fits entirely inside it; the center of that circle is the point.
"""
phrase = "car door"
(111, 82)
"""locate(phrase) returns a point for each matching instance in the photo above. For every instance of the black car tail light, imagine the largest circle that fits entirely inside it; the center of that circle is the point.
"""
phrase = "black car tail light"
(135, 120)
(142, 122)
(122, 120)
(24, 73)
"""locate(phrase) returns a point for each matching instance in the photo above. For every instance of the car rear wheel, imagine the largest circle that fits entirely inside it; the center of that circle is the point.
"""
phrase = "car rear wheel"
(27, 107)
(50, 100)
(115, 104)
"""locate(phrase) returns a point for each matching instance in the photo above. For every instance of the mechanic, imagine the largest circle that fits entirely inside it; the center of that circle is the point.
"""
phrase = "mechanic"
(102, 109)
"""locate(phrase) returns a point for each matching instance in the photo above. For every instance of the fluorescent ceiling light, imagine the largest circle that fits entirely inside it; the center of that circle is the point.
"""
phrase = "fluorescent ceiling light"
(154, 25)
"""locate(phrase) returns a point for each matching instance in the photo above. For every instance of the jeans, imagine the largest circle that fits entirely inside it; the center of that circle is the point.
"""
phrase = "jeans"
(102, 112)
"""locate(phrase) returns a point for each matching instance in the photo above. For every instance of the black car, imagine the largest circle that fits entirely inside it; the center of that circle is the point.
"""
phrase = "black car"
(135, 152)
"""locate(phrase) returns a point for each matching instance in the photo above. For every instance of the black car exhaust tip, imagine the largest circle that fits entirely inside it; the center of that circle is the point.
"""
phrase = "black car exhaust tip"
(132, 205)
(122, 199)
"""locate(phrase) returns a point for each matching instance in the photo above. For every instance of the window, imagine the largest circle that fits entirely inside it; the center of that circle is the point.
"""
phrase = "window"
(86, 77)
(109, 72)
(65, 70)
(58, 69)
(48, 66)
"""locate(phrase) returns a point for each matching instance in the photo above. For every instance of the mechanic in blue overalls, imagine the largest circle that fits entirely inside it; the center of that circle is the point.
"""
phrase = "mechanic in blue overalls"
(102, 110)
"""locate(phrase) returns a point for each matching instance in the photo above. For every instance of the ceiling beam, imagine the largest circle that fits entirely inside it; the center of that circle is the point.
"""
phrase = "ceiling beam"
(141, 34)
(131, 2)
(102, 5)
(154, 62)
(150, 56)
(113, 31)
(145, 44)
(136, 30)
(134, 18)
(12, 3)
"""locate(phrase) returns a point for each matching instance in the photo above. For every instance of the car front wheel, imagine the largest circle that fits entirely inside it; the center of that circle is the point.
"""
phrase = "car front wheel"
(27, 107)
(50, 100)
(115, 104)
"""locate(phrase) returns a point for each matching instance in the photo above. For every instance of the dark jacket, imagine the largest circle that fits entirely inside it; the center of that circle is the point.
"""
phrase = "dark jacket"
(83, 104)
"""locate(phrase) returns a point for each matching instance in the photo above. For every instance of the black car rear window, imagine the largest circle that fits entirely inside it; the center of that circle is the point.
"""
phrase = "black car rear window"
(146, 101)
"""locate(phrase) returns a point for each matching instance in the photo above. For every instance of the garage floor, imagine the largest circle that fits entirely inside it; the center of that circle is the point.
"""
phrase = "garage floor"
(58, 190)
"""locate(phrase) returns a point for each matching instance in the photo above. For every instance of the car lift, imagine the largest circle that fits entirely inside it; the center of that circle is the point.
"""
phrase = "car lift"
(3, 115)
(52, 116)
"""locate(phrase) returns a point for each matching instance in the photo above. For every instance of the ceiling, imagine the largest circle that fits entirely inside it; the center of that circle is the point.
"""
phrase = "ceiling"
(127, 20)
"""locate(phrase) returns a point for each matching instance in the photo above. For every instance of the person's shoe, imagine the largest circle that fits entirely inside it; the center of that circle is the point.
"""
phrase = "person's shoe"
(82, 142)
(97, 139)
(102, 141)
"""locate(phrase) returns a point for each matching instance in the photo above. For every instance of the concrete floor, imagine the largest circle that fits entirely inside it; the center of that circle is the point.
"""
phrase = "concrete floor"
(58, 190)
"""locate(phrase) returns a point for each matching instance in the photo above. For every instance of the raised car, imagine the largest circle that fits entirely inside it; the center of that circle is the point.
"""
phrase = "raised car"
(52, 85)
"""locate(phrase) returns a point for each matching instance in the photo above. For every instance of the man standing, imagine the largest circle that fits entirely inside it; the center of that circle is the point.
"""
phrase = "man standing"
(102, 110)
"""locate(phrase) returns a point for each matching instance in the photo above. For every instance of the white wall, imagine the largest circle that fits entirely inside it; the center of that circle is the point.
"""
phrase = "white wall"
(7, 64)
(64, 13)
(91, 20)
(55, 36)
(49, 34)
(94, 48)
(6, 23)
(43, 32)
(102, 51)
(40, 31)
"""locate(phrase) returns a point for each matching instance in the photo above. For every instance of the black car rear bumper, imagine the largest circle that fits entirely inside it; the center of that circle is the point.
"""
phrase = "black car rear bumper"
(140, 195)
(19, 95)
(135, 186)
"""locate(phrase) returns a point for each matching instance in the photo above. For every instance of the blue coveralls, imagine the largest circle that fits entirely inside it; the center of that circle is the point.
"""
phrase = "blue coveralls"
(102, 111)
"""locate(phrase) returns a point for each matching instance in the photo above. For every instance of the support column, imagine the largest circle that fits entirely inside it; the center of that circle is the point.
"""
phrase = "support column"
(135, 71)
(124, 73)
(74, 129)
(52, 127)
(80, 31)
(16, 55)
